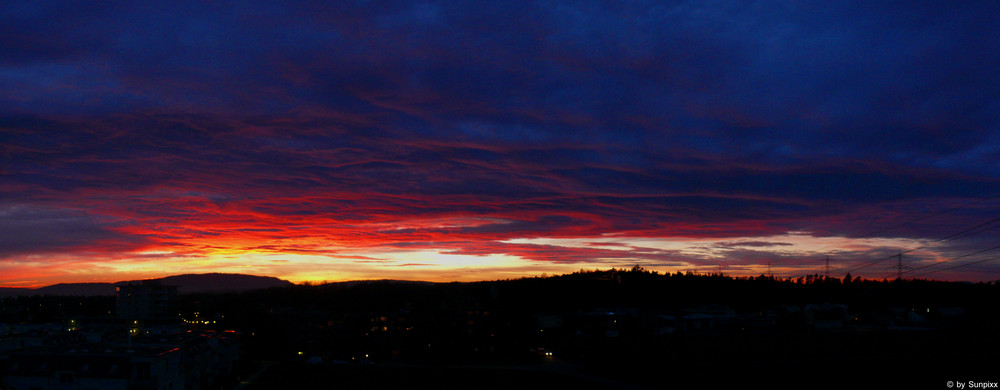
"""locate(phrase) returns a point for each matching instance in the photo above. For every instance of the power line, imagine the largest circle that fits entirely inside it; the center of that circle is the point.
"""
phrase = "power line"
(962, 234)
(959, 266)
(953, 259)
(961, 206)
(904, 223)
(869, 264)
(899, 266)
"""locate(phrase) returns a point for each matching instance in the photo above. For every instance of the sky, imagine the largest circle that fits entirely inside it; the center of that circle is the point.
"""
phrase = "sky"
(462, 141)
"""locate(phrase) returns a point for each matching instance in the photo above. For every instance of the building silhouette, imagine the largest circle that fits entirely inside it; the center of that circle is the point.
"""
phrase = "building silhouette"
(145, 301)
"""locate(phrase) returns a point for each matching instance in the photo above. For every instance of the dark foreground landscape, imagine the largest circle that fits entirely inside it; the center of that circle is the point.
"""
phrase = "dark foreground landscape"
(612, 329)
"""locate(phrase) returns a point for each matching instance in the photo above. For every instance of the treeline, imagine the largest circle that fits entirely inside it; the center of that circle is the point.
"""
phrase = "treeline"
(586, 290)
(635, 287)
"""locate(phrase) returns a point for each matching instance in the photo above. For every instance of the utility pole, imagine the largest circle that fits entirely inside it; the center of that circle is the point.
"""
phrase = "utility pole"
(899, 265)
(827, 266)
(769, 274)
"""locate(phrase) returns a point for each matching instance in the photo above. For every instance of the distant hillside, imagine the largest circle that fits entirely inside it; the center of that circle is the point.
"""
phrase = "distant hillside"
(65, 289)
(186, 284)
(353, 283)
(218, 282)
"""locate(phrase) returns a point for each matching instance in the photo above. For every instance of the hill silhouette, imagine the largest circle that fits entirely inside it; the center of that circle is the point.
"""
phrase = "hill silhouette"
(83, 289)
(219, 282)
(186, 284)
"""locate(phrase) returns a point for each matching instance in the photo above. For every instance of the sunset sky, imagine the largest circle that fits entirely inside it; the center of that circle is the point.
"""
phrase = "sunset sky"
(461, 141)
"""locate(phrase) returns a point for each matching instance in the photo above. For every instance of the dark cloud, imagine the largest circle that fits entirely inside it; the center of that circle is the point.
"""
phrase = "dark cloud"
(32, 230)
